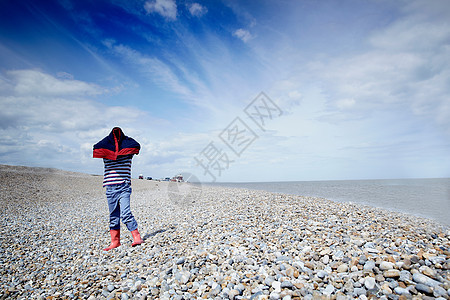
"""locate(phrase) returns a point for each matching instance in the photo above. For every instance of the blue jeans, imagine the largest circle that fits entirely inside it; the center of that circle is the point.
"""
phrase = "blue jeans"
(118, 196)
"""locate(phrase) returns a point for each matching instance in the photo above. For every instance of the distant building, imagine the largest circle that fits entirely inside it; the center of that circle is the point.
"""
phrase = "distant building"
(178, 178)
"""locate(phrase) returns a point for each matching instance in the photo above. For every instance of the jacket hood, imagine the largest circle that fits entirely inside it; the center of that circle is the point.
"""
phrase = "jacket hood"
(115, 144)
(117, 133)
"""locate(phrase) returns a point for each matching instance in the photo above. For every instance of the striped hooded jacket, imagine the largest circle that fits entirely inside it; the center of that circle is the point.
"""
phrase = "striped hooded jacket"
(116, 150)
(116, 144)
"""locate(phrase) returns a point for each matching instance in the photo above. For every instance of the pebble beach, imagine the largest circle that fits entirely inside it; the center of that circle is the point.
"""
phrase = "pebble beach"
(209, 243)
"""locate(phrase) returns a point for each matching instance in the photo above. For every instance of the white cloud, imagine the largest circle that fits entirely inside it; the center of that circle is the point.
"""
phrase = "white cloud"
(407, 69)
(243, 34)
(33, 82)
(296, 95)
(197, 9)
(345, 103)
(46, 127)
(166, 8)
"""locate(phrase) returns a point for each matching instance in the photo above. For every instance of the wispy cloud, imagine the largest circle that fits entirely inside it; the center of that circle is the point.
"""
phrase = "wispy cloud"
(166, 8)
(197, 9)
(33, 82)
(243, 34)
(156, 70)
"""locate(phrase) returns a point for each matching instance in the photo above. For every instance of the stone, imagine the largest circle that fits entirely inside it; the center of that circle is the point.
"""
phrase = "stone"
(439, 291)
(181, 261)
(299, 285)
(373, 250)
(233, 294)
(359, 291)
(287, 284)
(420, 278)
(414, 259)
(386, 265)
(325, 251)
(183, 276)
(369, 266)
(427, 271)
(406, 264)
(405, 276)
(358, 242)
(329, 290)
(342, 268)
(424, 289)
(322, 274)
(369, 283)
(392, 273)
(290, 270)
(240, 287)
(274, 296)
(276, 286)
(338, 255)
(386, 289)
(401, 291)
(269, 280)
(256, 296)
(124, 296)
(393, 284)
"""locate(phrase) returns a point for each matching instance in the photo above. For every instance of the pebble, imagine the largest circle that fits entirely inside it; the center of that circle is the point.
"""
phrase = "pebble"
(124, 296)
(181, 260)
(287, 285)
(329, 290)
(439, 291)
(216, 243)
(392, 273)
(359, 291)
(369, 266)
(276, 286)
(386, 265)
(427, 271)
(342, 268)
(420, 278)
(401, 291)
(424, 289)
(274, 296)
(369, 283)
(232, 294)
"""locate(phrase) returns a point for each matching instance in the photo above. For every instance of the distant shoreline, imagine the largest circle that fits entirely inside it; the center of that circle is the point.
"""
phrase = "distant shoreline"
(422, 197)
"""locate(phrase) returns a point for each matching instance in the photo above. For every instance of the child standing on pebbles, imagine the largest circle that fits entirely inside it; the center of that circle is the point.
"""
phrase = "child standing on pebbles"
(117, 151)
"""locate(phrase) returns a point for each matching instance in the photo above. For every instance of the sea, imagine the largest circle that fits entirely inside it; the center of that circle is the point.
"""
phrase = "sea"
(429, 198)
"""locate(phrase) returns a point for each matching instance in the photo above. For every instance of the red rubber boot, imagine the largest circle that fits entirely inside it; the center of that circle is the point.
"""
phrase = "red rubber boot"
(115, 239)
(136, 237)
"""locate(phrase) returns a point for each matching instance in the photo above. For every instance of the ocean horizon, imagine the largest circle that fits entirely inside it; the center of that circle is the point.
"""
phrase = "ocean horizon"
(423, 197)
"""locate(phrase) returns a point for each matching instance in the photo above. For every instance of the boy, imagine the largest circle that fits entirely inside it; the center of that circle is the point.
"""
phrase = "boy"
(117, 151)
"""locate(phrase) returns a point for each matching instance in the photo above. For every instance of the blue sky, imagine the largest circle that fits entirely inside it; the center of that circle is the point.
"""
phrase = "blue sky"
(363, 87)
